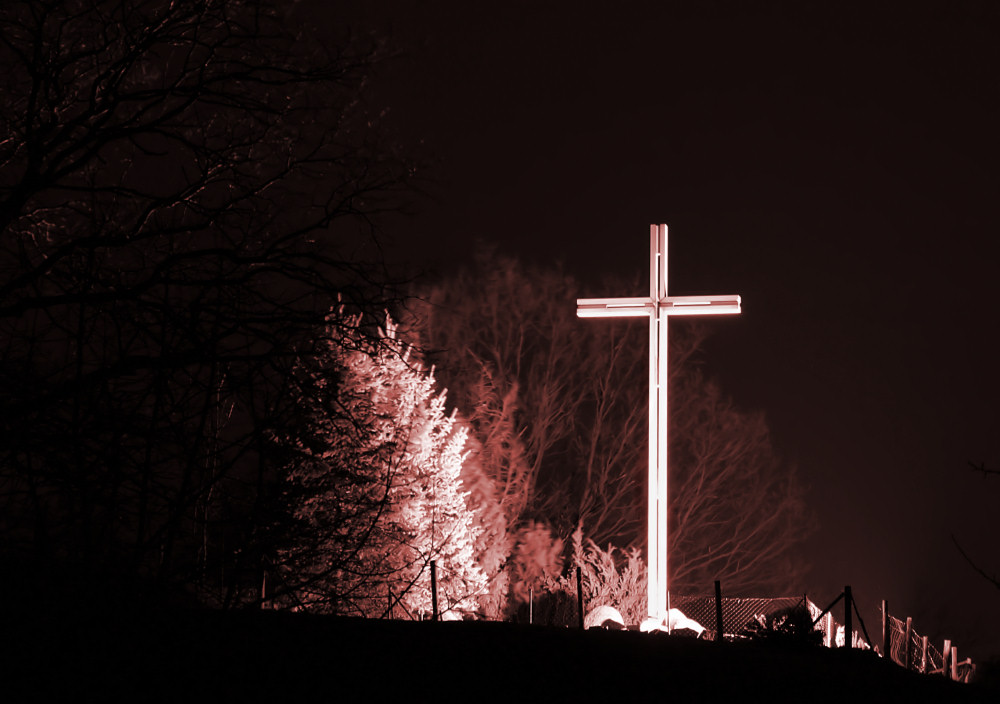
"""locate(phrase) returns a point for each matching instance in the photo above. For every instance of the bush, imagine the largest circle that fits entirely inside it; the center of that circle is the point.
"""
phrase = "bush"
(789, 626)
(612, 577)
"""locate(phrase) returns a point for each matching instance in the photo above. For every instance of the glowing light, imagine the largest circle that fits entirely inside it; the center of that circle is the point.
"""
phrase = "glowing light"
(674, 620)
(703, 305)
(657, 306)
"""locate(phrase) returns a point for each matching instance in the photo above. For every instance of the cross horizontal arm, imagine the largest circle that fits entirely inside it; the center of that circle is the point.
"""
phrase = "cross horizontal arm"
(700, 305)
(613, 307)
(673, 305)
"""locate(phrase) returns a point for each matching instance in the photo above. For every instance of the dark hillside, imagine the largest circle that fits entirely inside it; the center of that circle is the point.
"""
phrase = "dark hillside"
(266, 656)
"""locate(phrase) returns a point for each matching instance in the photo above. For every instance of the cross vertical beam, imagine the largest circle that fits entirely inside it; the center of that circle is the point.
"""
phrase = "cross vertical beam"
(658, 306)
(656, 564)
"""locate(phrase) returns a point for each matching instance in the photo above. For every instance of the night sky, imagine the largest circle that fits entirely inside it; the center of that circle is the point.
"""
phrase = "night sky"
(837, 168)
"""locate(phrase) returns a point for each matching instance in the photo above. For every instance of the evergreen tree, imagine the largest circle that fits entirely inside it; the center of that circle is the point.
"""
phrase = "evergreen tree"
(375, 486)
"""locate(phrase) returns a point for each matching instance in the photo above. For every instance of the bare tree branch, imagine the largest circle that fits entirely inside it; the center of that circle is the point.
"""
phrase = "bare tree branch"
(186, 190)
(981, 467)
(993, 579)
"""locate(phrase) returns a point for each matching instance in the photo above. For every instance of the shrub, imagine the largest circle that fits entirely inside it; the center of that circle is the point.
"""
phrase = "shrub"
(789, 626)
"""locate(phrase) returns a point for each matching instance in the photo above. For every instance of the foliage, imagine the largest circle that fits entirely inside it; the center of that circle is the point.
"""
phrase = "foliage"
(792, 626)
(537, 562)
(569, 398)
(185, 188)
(375, 487)
(617, 580)
(494, 543)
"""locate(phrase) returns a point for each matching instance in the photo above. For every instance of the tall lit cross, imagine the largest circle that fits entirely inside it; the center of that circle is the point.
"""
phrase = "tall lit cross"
(658, 305)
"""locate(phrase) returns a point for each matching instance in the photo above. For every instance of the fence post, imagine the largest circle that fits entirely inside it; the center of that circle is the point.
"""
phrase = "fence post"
(886, 633)
(848, 617)
(906, 641)
(579, 596)
(954, 662)
(831, 636)
(923, 654)
(945, 657)
(434, 591)
(718, 611)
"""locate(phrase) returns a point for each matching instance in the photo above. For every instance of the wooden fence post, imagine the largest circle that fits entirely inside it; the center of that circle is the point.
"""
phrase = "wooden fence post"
(579, 595)
(886, 633)
(946, 657)
(954, 662)
(718, 611)
(848, 617)
(908, 634)
(923, 654)
(434, 591)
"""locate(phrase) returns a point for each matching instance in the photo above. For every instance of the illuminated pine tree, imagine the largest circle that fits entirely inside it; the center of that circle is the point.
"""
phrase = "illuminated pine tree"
(376, 489)
(433, 505)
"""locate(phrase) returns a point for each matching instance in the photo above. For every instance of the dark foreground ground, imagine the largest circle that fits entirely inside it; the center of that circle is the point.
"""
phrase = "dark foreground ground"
(278, 657)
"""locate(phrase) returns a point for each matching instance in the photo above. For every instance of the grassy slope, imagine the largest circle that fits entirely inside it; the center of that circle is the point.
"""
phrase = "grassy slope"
(274, 657)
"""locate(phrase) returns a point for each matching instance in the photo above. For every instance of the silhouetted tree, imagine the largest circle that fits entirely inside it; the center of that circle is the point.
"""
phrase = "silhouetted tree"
(505, 335)
(185, 189)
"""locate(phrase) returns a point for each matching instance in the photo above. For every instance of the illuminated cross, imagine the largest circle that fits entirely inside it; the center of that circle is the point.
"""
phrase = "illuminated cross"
(658, 305)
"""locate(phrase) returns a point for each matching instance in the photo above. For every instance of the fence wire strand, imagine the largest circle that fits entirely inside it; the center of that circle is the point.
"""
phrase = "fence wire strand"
(933, 663)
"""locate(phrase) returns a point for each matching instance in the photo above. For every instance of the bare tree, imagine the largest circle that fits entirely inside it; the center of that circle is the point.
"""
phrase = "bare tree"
(186, 188)
(578, 394)
(991, 578)
(736, 510)
(503, 361)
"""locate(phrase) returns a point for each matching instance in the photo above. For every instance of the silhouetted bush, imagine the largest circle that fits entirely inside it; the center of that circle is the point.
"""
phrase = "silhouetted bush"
(789, 626)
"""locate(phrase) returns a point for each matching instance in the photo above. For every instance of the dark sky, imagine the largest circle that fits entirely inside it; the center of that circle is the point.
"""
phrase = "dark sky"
(837, 168)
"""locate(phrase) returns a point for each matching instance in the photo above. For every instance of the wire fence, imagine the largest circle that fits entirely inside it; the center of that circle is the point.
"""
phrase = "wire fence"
(560, 604)
(737, 614)
(740, 614)
(743, 617)
(909, 649)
